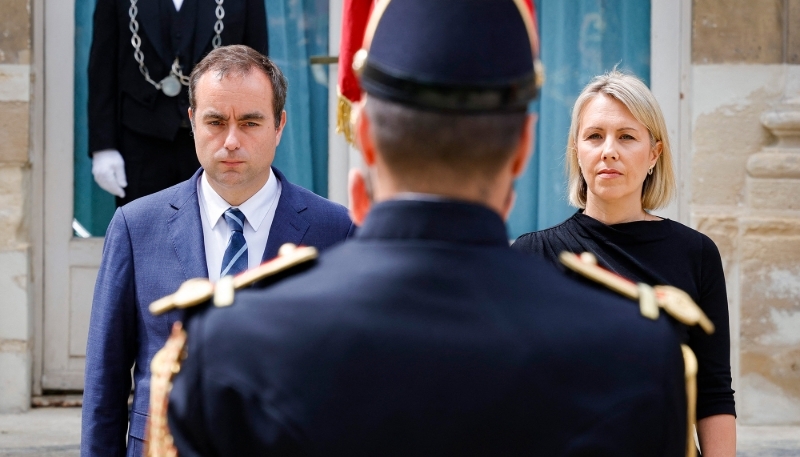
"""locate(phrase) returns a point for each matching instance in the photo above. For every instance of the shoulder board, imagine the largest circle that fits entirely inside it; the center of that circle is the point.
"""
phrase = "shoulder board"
(198, 290)
(674, 301)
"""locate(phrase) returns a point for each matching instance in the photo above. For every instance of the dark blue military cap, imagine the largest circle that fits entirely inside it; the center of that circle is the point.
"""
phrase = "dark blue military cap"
(452, 55)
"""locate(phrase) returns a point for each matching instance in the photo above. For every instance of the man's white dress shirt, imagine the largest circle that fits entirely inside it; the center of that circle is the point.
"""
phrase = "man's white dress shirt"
(258, 210)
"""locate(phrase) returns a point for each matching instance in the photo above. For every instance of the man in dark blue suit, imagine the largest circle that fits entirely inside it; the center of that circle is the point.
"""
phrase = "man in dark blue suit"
(155, 243)
(426, 334)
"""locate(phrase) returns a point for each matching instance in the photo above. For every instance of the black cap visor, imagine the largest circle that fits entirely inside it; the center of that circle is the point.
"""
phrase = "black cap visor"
(505, 96)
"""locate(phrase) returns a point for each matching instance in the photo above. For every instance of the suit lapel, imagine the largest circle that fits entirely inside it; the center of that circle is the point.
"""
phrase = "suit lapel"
(204, 31)
(288, 226)
(149, 18)
(186, 229)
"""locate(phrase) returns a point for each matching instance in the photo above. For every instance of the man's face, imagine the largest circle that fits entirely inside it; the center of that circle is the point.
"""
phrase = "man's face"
(234, 132)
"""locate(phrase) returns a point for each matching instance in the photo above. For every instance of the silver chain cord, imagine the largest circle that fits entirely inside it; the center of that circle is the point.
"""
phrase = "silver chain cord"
(218, 26)
(176, 69)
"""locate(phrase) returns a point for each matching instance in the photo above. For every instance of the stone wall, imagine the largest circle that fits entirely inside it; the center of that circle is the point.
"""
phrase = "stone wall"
(745, 188)
(15, 289)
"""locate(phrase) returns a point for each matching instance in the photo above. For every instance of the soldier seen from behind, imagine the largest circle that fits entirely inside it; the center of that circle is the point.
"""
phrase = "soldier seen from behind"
(426, 334)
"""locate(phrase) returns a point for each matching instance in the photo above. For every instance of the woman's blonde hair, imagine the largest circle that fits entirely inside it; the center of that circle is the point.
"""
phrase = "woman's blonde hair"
(633, 93)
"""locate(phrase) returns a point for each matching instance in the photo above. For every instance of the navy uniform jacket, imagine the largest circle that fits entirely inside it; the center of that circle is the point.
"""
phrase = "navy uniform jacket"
(427, 335)
(152, 246)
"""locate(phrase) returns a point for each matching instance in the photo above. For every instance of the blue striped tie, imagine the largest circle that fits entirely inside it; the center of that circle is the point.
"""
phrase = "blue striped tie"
(235, 259)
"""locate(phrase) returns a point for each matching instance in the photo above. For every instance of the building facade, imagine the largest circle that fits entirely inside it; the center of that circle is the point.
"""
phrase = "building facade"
(727, 73)
(745, 188)
(16, 200)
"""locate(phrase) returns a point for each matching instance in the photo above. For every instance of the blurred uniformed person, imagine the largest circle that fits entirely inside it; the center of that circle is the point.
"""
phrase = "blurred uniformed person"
(142, 53)
(426, 334)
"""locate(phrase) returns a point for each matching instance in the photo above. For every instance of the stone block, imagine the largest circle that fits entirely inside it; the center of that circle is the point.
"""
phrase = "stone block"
(761, 402)
(727, 104)
(15, 83)
(773, 162)
(13, 185)
(793, 32)
(770, 286)
(770, 227)
(14, 131)
(15, 32)
(770, 321)
(773, 194)
(737, 31)
(14, 303)
(718, 178)
(15, 380)
(778, 359)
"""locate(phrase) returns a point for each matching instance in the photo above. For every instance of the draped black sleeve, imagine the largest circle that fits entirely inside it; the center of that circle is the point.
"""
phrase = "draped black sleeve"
(659, 252)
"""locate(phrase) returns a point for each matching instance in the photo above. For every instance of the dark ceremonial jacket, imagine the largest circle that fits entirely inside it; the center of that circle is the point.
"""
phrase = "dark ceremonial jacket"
(119, 94)
(152, 246)
(427, 335)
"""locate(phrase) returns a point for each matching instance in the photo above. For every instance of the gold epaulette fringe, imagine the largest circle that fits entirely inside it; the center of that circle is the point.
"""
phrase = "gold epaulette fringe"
(166, 363)
(690, 373)
(344, 124)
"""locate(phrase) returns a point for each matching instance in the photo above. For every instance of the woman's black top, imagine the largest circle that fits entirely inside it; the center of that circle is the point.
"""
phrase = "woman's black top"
(661, 252)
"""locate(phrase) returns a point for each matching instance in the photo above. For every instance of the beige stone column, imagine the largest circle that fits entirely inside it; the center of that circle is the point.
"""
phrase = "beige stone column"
(745, 188)
(770, 269)
(15, 307)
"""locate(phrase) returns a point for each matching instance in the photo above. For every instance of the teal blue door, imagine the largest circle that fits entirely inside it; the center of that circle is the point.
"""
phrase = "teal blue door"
(93, 206)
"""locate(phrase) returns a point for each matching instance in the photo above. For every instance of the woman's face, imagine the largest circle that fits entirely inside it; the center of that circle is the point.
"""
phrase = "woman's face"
(614, 153)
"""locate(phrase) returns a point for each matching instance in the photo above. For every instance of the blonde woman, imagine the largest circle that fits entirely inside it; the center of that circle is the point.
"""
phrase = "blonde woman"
(620, 169)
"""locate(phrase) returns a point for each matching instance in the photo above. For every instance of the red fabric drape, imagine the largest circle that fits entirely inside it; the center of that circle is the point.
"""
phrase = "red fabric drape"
(355, 16)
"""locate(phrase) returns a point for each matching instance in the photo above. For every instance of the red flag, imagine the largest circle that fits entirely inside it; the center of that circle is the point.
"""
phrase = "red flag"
(355, 16)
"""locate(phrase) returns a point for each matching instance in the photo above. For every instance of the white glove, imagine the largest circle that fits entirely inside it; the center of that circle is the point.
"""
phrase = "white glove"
(108, 169)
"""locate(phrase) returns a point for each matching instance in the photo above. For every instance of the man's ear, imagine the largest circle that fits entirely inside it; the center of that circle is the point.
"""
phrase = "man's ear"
(360, 201)
(279, 129)
(524, 148)
(364, 137)
(191, 118)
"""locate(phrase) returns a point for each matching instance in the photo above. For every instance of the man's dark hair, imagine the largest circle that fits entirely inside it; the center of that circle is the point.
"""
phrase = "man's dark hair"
(412, 139)
(239, 59)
